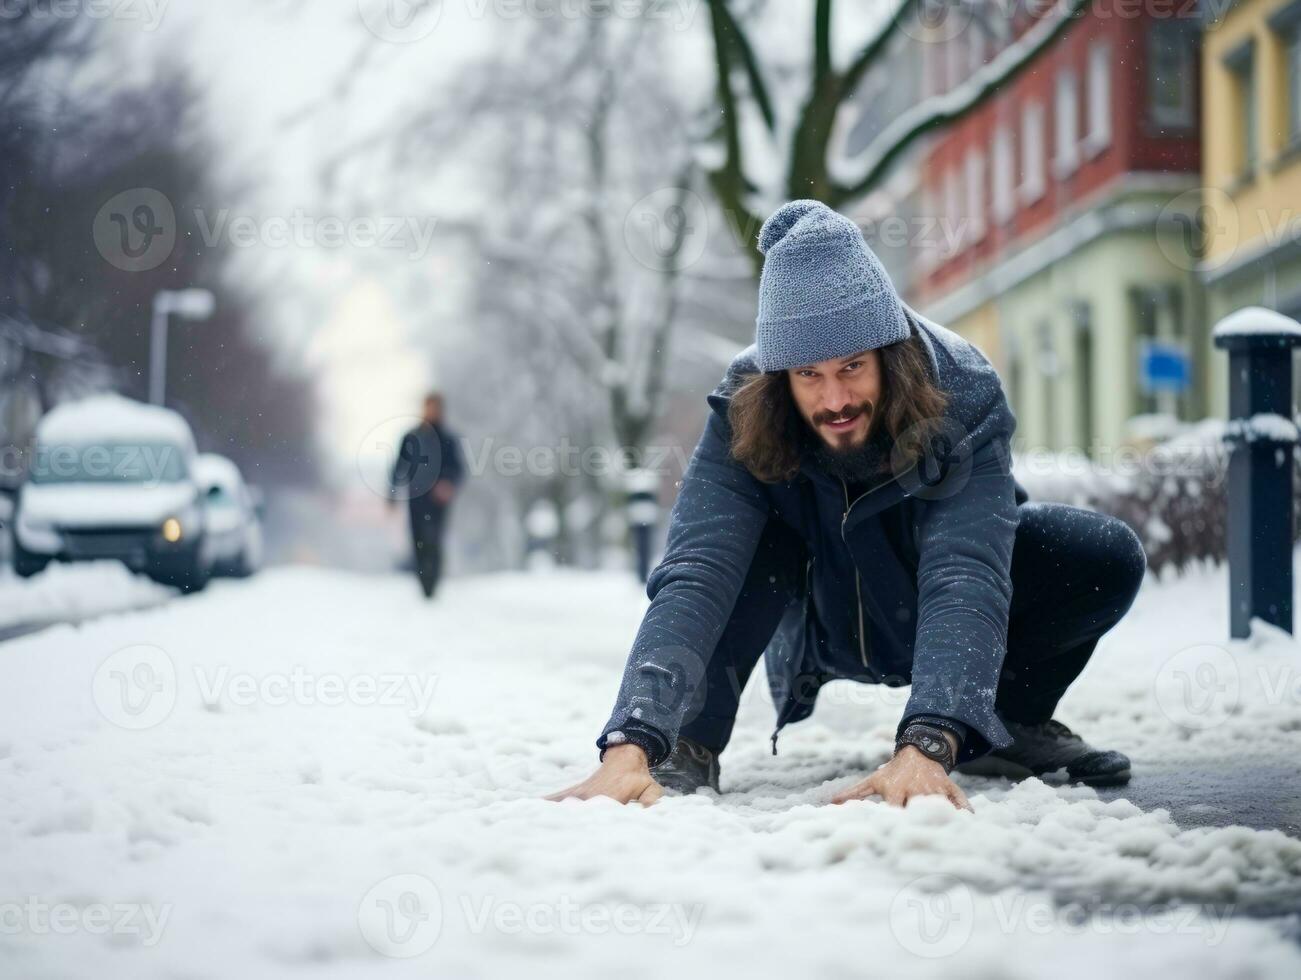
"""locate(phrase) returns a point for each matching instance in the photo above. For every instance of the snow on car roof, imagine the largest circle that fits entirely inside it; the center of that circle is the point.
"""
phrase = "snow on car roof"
(213, 469)
(112, 418)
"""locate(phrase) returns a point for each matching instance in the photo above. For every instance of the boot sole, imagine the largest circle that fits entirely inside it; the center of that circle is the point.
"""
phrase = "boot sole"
(992, 766)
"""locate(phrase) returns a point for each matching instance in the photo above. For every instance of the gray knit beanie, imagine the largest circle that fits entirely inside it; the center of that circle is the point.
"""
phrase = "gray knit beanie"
(822, 293)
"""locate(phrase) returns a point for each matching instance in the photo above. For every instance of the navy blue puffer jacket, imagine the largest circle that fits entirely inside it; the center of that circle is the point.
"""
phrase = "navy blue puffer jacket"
(925, 556)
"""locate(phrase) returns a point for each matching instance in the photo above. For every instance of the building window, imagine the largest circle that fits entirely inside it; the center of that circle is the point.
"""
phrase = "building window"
(1293, 59)
(928, 257)
(1241, 64)
(955, 56)
(1066, 119)
(1287, 25)
(975, 174)
(1032, 152)
(1004, 163)
(975, 48)
(952, 211)
(1099, 108)
(1171, 74)
(1082, 322)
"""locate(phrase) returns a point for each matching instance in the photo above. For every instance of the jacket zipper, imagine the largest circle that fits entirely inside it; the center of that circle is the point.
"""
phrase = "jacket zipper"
(858, 589)
(858, 580)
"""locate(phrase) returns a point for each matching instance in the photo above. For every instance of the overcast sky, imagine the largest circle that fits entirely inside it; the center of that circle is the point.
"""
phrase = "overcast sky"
(281, 89)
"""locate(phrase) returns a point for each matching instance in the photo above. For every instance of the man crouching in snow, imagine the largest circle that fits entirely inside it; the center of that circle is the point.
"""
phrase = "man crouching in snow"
(850, 509)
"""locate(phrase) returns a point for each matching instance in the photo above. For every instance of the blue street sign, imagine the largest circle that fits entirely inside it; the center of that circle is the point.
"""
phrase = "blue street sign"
(1164, 366)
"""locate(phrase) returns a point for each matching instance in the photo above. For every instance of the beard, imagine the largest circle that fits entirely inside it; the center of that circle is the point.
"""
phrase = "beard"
(858, 464)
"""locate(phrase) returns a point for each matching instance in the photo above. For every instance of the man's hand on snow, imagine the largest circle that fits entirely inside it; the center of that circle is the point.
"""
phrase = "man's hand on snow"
(908, 774)
(624, 776)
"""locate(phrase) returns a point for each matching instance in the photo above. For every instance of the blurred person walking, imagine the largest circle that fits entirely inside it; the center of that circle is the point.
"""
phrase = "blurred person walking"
(427, 473)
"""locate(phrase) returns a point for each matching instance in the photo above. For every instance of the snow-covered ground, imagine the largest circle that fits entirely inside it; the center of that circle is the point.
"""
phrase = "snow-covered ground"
(66, 593)
(313, 773)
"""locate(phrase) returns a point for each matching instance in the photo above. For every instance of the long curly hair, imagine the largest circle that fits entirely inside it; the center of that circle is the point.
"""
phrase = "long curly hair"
(768, 430)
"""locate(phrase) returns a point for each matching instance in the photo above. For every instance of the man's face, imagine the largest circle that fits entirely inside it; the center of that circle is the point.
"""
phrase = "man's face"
(839, 398)
(433, 411)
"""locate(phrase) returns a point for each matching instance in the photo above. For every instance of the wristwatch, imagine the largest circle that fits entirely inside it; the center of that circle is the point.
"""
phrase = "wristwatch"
(930, 741)
(633, 736)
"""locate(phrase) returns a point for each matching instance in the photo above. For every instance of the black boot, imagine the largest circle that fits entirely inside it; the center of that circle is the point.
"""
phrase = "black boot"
(689, 766)
(1050, 747)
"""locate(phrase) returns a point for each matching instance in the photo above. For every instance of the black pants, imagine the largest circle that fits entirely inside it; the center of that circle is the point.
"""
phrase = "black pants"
(1074, 572)
(427, 523)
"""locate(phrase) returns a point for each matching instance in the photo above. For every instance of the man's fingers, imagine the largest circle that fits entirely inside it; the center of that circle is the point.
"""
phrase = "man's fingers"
(651, 794)
(563, 794)
(860, 791)
(959, 799)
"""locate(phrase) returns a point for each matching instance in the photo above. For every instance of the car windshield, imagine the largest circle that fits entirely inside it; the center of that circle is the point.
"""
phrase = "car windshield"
(219, 496)
(101, 462)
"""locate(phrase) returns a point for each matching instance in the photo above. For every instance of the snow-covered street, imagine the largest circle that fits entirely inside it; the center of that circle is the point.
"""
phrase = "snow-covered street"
(317, 769)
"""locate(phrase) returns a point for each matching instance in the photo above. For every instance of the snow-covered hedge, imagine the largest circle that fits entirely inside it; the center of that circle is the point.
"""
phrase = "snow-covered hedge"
(1173, 495)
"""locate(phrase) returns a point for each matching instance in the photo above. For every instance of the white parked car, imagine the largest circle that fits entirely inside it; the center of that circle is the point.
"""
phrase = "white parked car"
(233, 525)
(113, 478)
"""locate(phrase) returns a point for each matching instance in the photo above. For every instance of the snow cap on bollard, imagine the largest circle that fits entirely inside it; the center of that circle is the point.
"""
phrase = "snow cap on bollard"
(822, 292)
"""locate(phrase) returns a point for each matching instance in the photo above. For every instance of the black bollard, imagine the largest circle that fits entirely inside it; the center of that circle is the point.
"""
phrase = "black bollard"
(1261, 437)
(642, 487)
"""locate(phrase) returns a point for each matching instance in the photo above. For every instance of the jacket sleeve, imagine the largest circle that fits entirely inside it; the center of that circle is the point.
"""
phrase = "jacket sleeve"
(453, 463)
(964, 588)
(396, 481)
(714, 530)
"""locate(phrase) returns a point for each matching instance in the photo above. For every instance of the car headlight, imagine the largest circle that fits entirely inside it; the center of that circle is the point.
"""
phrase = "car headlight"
(181, 525)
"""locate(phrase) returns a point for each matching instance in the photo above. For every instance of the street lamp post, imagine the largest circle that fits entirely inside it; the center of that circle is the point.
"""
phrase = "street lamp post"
(192, 304)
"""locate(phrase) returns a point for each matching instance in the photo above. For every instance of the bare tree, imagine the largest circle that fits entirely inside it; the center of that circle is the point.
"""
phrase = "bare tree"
(806, 139)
